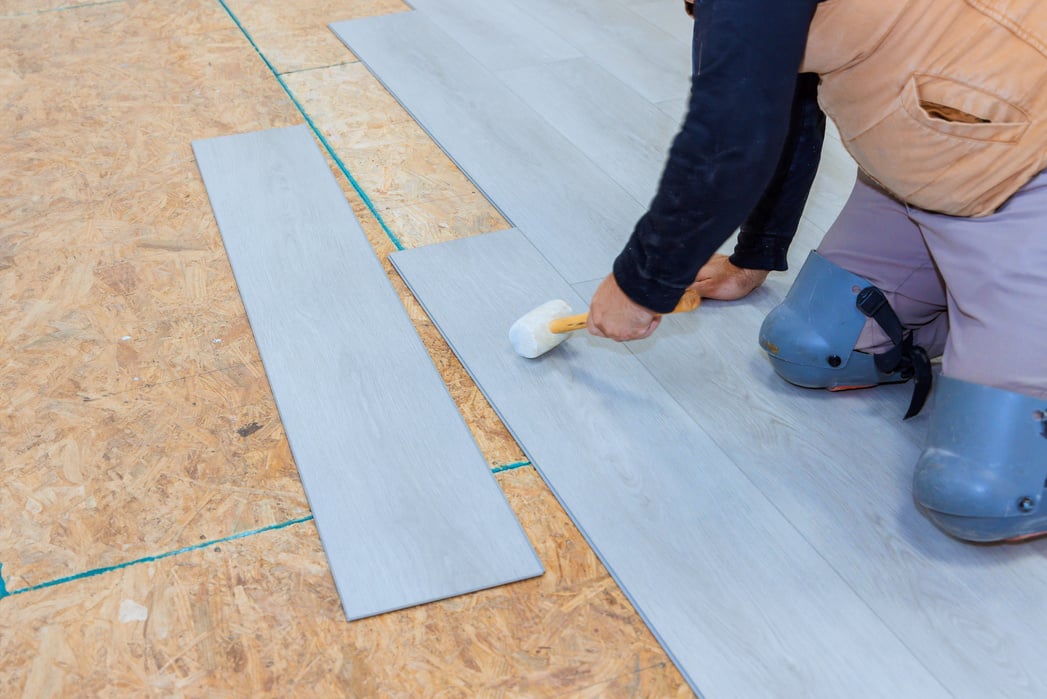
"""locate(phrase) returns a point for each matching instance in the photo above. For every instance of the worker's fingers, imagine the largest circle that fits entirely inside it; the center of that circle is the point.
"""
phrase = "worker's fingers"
(613, 315)
(593, 328)
(623, 332)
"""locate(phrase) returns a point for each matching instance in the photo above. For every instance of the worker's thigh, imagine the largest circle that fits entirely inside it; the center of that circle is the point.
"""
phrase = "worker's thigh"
(875, 238)
(995, 273)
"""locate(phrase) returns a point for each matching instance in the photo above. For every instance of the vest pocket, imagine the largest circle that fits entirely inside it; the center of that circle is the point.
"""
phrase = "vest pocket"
(945, 146)
(962, 111)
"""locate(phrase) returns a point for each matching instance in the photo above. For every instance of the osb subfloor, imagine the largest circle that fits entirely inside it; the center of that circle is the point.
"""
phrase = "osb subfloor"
(155, 539)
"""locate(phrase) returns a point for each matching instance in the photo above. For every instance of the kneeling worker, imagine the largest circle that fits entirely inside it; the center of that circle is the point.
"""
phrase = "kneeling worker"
(940, 250)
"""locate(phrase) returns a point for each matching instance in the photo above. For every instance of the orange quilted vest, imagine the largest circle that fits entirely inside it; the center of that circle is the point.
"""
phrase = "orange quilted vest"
(943, 102)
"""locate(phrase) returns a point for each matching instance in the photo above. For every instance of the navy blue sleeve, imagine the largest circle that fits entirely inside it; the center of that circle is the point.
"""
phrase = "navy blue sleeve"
(747, 55)
(765, 236)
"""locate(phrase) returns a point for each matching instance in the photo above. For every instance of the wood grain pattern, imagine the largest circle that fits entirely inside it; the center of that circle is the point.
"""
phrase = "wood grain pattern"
(839, 467)
(498, 34)
(653, 62)
(403, 521)
(620, 130)
(667, 15)
(578, 216)
(741, 601)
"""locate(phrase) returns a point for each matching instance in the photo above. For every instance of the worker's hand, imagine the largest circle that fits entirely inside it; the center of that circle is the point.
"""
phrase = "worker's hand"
(614, 315)
(719, 279)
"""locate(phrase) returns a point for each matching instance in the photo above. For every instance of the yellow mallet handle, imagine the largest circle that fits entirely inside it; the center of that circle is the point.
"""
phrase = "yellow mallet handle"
(688, 302)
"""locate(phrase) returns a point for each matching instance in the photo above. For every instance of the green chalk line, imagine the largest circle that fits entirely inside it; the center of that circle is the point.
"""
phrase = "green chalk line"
(510, 467)
(4, 592)
(308, 120)
(63, 8)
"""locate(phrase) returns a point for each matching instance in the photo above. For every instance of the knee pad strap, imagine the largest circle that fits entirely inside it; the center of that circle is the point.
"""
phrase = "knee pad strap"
(810, 337)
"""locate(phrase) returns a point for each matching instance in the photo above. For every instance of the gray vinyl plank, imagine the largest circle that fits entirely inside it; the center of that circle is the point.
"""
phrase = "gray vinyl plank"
(574, 212)
(626, 135)
(676, 109)
(743, 604)
(839, 468)
(668, 15)
(498, 34)
(652, 61)
(405, 517)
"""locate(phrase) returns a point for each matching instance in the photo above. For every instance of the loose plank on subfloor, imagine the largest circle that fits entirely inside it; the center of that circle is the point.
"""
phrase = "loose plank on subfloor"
(407, 513)
(573, 211)
(741, 602)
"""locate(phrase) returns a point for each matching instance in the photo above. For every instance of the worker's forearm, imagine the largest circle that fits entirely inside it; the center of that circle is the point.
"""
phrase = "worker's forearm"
(765, 236)
(746, 54)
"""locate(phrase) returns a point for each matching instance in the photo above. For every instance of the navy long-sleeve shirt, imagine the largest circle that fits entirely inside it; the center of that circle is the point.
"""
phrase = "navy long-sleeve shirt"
(746, 154)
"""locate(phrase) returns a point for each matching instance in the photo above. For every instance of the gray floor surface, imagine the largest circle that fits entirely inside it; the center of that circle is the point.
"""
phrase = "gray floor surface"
(403, 521)
(768, 534)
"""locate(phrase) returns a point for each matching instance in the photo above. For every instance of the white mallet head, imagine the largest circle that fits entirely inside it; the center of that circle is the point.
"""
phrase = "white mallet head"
(530, 335)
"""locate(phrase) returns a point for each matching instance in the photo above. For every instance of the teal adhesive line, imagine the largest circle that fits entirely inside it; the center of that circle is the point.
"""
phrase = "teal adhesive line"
(510, 467)
(148, 559)
(315, 129)
(63, 8)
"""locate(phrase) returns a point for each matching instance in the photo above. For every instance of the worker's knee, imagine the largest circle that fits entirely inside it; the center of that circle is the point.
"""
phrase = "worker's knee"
(810, 337)
(981, 475)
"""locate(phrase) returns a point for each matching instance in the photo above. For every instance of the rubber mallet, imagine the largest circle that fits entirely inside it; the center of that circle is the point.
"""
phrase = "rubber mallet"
(542, 329)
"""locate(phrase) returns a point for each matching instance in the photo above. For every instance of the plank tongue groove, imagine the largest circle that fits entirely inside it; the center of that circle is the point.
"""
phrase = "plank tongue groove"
(406, 516)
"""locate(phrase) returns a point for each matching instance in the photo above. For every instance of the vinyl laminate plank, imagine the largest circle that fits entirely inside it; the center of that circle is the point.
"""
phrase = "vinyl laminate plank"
(498, 34)
(405, 518)
(839, 468)
(668, 15)
(626, 135)
(741, 602)
(674, 108)
(652, 61)
(574, 212)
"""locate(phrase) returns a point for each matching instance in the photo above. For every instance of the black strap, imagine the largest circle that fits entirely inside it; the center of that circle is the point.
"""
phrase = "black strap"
(910, 361)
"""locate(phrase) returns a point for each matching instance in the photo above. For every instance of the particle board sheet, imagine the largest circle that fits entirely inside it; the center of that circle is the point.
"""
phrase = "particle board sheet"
(743, 604)
(626, 135)
(407, 514)
(574, 212)
(839, 467)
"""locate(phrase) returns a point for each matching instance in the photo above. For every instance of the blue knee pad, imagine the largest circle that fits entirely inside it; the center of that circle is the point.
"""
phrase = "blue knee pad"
(982, 474)
(810, 337)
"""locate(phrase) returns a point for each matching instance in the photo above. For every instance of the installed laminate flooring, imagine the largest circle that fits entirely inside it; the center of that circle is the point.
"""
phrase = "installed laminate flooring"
(654, 62)
(839, 468)
(742, 603)
(403, 521)
(628, 142)
(534, 174)
(835, 467)
(499, 35)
